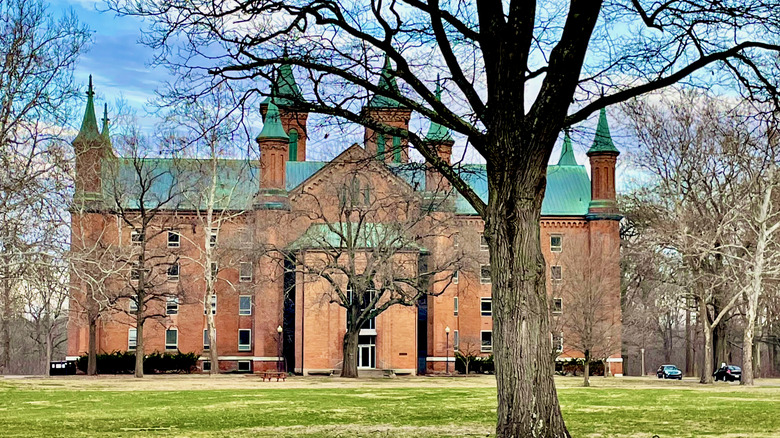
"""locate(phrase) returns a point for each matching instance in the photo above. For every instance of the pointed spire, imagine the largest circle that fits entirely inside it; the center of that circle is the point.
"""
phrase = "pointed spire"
(284, 89)
(386, 82)
(567, 152)
(437, 132)
(272, 126)
(603, 141)
(89, 128)
(104, 132)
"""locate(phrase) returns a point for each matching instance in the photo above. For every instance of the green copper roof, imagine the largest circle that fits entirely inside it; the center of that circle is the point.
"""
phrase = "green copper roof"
(386, 82)
(363, 235)
(284, 89)
(89, 128)
(272, 126)
(603, 140)
(105, 132)
(437, 132)
(567, 152)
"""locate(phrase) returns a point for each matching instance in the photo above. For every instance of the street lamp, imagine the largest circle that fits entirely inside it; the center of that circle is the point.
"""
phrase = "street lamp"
(642, 350)
(447, 358)
(279, 347)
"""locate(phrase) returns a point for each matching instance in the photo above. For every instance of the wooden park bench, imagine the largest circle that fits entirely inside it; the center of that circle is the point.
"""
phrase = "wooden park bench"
(274, 374)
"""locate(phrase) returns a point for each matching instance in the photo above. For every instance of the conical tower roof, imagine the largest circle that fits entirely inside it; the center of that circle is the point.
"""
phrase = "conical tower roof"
(272, 126)
(284, 90)
(386, 82)
(437, 132)
(567, 152)
(89, 128)
(105, 132)
(603, 141)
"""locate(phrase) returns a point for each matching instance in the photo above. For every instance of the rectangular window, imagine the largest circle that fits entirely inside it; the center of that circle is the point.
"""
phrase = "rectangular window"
(213, 235)
(173, 272)
(487, 340)
(245, 305)
(244, 339)
(172, 306)
(455, 340)
(557, 305)
(171, 339)
(135, 272)
(206, 365)
(455, 277)
(484, 274)
(214, 270)
(136, 237)
(245, 272)
(557, 341)
(455, 306)
(483, 245)
(244, 366)
(213, 305)
(486, 306)
(556, 273)
(206, 344)
(132, 306)
(174, 239)
(556, 243)
(396, 149)
(132, 338)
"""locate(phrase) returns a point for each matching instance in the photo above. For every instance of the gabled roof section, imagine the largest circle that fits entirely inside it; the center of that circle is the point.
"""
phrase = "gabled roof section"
(567, 193)
(366, 235)
(386, 82)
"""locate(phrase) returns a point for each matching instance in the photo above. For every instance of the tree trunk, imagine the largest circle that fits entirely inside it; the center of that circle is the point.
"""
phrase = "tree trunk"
(47, 352)
(5, 359)
(92, 359)
(688, 355)
(706, 369)
(349, 364)
(586, 379)
(212, 334)
(527, 400)
(747, 347)
(139, 345)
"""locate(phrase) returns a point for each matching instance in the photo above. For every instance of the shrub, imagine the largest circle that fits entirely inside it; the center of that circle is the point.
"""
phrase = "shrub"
(119, 362)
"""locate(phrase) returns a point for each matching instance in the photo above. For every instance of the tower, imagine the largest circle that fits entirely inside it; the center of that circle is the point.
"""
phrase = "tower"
(274, 152)
(603, 157)
(439, 139)
(387, 111)
(90, 148)
(286, 94)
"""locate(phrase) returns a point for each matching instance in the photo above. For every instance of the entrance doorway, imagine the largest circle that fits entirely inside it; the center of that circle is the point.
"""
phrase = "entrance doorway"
(366, 352)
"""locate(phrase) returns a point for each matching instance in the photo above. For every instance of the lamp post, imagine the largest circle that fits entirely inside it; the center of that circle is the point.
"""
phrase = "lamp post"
(279, 330)
(447, 355)
(642, 350)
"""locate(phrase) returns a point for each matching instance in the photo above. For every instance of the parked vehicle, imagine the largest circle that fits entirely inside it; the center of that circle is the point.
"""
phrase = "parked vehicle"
(728, 373)
(669, 372)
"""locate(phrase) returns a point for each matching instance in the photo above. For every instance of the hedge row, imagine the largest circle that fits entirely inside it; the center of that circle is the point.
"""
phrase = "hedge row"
(123, 362)
(477, 365)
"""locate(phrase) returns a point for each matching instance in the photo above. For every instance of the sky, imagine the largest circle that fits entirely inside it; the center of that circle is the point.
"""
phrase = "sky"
(120, 66)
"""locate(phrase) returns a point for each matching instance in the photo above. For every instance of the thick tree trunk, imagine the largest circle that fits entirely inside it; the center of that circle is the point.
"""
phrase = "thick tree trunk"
(5, 359)
(139, 346)
(212, 334)
(586, 379)
(706, 369)
(48, 347)
(688, 353)
(527, 400)
(349, 364)
(92, 359)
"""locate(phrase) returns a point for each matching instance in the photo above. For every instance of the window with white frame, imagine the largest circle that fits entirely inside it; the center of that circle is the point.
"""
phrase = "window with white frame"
(206, 365)
(557, 305)
(132, 305)
(557, 341)
(172, 306)
(213, 236)
(486, 336)
(213, 305)
(171, 339)
(206, 343)
(244, 339)
(244, 366)
(556, 273)
(483, 244)
(245, 305)
(214, 270)
(486, 306)
(484, 274)
(455, 277)
(136, 237)
(455, 340)
(556, 243)
(173, 272)
(135, 272)
(132, 339)
(245, 272)
(455, 306)
(174, 239)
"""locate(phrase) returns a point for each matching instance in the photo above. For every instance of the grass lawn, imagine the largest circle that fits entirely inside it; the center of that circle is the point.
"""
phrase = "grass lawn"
(228, 406)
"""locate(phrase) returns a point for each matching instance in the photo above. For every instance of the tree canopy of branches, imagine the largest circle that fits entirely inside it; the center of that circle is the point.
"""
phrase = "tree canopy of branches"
(582, 55)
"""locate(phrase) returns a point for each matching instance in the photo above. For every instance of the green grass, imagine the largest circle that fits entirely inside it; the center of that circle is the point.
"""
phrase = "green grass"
(404, 407)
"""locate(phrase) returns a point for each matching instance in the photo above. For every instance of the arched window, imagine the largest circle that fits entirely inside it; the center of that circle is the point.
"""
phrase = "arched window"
(380, 146)
(293, 134)
(396, 149)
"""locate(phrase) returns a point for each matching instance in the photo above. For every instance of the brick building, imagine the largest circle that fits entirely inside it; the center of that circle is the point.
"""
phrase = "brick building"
(259, 295)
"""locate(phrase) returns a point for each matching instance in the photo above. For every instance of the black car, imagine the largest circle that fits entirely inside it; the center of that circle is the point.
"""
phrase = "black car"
(728, 373)
(669, 372)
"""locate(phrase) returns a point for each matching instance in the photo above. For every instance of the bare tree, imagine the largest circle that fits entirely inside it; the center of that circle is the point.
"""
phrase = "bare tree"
(589, 53)
(468, 349)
